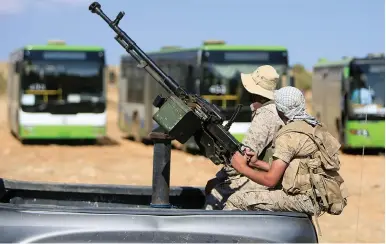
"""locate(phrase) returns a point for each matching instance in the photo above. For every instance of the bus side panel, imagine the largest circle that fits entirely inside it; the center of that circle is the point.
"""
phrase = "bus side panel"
(15, 104)
(374, 136)
(9, 94)
(317, 94)
(149, 94)
(333, 100)
(239, 129)
(13, 84)
(122, 98)
(327, 97)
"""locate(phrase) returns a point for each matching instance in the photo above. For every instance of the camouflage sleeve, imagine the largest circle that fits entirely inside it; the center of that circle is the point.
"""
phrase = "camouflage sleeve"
(286, 147)
(261, 131)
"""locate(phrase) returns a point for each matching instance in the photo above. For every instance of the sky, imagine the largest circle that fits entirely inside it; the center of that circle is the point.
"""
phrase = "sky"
(310, 29)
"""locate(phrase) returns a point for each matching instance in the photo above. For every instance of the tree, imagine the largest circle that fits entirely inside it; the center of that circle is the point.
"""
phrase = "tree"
(3, 84)
(303, 78)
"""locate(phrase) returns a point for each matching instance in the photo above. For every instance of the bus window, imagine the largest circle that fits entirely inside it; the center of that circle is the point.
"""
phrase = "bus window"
(224, 82)
(367, 89)
(76, 86)
(189, 78)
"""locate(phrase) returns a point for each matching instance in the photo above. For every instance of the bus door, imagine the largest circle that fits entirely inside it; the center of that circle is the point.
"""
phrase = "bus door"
(344, 104)
(367, 91)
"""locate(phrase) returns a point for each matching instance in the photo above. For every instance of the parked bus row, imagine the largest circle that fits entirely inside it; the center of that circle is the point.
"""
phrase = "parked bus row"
(213, 70)
(58, 91)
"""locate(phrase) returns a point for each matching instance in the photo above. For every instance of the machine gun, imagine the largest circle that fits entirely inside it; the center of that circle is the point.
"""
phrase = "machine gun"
(181, 115)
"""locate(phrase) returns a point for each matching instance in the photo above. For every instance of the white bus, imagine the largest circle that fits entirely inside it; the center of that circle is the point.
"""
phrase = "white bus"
(57, 91)
(211, 70)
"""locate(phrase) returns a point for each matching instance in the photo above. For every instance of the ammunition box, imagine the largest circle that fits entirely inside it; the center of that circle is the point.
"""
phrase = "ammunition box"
(177, 119)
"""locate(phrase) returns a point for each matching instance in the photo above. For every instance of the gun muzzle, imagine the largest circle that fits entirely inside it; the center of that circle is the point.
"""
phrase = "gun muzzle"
(94, 7)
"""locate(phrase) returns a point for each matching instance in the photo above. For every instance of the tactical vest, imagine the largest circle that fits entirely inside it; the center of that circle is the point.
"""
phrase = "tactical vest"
(317, 174)
(267, 153)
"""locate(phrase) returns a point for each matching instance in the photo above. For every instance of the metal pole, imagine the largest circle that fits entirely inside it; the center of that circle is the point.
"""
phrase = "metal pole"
(161, 170)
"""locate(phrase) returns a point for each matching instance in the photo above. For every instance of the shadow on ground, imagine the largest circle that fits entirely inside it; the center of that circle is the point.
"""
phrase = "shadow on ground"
(149, 142)
(106, 141)
(366, 151)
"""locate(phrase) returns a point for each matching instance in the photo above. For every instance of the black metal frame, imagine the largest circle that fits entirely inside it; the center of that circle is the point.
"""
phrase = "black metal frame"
(161, 169)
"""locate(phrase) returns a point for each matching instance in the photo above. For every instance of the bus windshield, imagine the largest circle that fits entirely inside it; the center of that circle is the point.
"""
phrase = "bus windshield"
(63, 87)
(224, 79)
(367, 89)
(221, 82)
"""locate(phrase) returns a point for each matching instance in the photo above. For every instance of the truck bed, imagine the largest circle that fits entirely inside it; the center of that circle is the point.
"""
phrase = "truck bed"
(58, 213)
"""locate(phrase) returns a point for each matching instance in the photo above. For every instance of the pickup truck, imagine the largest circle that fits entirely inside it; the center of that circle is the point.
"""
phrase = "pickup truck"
(59, 213)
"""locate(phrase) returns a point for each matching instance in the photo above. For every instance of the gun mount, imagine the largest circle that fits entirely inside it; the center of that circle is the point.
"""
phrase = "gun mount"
(181, 115)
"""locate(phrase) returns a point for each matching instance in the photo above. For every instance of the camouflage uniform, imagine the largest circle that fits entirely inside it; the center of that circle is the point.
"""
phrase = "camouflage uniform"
(311, 183)
(286, 147)
(265, 123)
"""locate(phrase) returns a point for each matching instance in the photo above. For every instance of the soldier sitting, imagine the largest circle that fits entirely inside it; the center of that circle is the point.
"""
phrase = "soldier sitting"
(303, 176)
(265, 123)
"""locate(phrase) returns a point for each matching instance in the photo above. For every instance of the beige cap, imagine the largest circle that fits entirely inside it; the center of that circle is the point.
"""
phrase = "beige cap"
(262, 81)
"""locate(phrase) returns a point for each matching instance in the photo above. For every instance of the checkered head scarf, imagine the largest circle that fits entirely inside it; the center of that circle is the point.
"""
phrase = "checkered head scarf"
(290, 101)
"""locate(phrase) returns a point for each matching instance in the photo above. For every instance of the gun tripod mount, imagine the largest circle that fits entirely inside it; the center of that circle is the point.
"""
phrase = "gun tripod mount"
(161, 169)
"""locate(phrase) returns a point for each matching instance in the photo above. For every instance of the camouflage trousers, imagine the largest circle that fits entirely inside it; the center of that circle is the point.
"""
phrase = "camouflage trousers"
(270, 200)
(231, 182)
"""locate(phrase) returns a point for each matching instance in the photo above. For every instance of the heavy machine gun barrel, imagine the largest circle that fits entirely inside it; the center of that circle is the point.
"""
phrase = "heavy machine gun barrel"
(130, 46)
(181, 115)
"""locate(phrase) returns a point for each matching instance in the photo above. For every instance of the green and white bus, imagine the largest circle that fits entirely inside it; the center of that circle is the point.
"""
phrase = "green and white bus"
(349, 97)
(57, 91)
(211, 70)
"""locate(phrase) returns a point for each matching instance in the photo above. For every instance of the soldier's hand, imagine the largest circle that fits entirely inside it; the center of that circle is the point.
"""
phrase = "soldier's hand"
(251, 155)
(239, 162)
(256, 164)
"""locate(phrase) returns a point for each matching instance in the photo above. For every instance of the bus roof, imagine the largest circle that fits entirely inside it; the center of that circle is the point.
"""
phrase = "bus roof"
(326, 63)
(322, 63)
(63, 48)
(221, 47)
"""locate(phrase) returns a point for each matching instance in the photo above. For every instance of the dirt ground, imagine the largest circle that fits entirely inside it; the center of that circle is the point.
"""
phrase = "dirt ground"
(124, 162)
